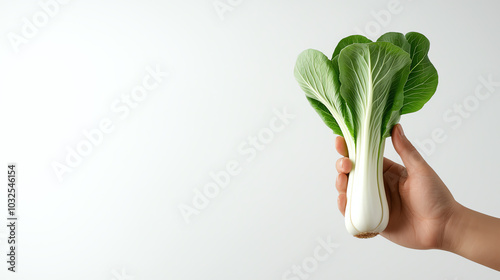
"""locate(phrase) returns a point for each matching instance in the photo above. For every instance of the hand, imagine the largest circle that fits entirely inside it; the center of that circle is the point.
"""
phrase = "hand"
(420, 205)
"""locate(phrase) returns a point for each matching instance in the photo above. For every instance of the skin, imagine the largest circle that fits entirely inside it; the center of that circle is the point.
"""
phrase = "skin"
(423, 213)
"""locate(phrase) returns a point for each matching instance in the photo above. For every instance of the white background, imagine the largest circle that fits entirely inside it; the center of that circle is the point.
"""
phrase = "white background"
(116, 215)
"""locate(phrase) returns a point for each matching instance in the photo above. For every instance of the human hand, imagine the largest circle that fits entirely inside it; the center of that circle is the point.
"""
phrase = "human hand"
(420, 204)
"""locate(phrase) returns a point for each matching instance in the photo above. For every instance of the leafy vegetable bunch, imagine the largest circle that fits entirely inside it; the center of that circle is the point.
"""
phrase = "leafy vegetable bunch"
(361, 93)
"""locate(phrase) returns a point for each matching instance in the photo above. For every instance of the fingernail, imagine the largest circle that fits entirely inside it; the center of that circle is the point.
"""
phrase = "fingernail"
(401, 132)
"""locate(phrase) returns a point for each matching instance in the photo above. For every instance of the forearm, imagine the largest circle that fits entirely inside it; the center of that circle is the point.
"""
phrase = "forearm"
(475, 236)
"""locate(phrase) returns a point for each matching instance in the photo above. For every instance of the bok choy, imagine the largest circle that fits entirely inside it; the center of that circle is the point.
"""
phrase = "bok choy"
(360, 93)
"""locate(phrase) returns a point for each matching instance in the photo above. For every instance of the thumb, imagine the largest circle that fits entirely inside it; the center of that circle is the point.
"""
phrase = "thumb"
(412, 159)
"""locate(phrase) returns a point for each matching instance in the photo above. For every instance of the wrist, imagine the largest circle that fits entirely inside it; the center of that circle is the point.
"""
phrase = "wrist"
(455, 228)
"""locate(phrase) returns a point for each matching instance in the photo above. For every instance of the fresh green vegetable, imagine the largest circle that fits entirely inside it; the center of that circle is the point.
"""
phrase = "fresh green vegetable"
(360, 94)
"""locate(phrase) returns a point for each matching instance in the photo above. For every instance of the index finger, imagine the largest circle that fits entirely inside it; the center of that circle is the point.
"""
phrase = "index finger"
(341, 146)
